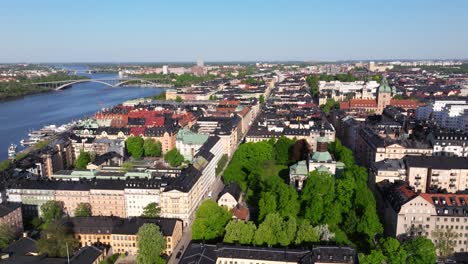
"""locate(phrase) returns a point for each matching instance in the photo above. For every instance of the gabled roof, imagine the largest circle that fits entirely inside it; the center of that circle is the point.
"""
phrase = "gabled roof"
(233, 189)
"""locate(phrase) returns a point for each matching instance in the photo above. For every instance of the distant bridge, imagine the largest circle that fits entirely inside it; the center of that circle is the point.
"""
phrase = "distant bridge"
(59, 85)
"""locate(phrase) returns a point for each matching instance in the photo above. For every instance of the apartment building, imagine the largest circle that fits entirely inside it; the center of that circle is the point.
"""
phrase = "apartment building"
(11, 216)
(188, 143)
(406, 212)
(450, 143)
(121, 233)
(428, 173)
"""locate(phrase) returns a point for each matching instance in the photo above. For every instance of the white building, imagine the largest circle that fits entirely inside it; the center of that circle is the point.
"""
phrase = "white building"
(451, 114)
(188, 143)
(138, 196)
(340, 91)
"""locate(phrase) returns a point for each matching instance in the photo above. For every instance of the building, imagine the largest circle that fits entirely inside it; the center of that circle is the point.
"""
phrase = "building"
(11, 216)
(452, 144)
(388, 169)
(230, 196)
(120, 233)
(384, 99)
(407, 213)
(188, 143)
(24, 250)
(298, 174)
(225, 254)
(427, 173)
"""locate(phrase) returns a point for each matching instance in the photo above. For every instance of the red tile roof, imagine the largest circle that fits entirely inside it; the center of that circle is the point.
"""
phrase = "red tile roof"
(363, 103)
(446, 197)
(241, 212)
(344, 105)
(404, 103)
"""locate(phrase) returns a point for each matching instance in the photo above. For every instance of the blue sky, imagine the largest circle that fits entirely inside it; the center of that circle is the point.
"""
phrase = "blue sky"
(223, 30)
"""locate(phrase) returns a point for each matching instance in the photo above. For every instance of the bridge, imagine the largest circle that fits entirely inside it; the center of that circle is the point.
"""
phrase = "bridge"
(59, 85)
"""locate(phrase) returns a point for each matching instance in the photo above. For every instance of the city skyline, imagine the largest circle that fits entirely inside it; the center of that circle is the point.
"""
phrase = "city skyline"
(54, 31)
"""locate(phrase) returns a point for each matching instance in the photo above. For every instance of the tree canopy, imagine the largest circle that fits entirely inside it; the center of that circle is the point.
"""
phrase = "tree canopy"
(55, 240)
(174, 158)
(152, 148)
(151, 210)
(83, 209)
(6, 235)
(210, 221)
(134, 146)
(83, 159)
(239, 232)
(51, 211)
(151, 244)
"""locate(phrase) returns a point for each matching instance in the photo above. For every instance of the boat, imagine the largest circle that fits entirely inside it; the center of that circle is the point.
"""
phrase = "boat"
(12, 151)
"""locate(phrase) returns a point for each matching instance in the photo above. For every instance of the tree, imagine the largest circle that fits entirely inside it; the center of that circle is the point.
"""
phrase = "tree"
(151, 244)
(174, 158)
(392, 249)
(179, 99)
(306, 233)
(151, 210)
(288, 232)
(239, 231)
(261, 99)
(57, 240)
(317, 196)
(446, 241)
(83, 159)
(299, 151)
(127, 166)
(83, 209)
(210, 220)
(266, 205)
(281, 150)
(324, 233)
(134, 146)
(51, 211)
(375, 257)
(152, 148)
(330, 105)
(288, 200)
(420, 251)
(6, 235)
(268, 230)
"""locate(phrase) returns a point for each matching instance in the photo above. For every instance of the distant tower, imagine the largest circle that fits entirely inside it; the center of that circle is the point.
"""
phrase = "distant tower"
(384, 96)
(200, 63)
(165, 69)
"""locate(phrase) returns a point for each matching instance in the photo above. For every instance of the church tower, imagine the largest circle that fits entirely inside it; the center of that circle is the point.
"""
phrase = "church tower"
(384, 96)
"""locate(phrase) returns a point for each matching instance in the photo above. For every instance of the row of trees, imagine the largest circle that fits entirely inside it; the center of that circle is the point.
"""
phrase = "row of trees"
(138, 147)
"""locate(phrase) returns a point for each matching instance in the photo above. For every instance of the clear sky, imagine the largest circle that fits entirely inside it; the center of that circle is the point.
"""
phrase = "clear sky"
(231, 30)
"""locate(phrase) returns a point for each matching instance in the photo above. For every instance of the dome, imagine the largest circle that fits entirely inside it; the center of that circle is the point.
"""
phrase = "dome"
(321, 156)
(384, 87)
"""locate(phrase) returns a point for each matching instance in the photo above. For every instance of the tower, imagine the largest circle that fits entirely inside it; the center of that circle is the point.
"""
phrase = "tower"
(384, 96)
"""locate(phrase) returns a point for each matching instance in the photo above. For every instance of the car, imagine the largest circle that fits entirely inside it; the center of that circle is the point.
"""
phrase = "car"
(178, 254)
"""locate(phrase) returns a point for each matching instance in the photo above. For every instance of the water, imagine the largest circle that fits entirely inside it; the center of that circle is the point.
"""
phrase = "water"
(19, 116)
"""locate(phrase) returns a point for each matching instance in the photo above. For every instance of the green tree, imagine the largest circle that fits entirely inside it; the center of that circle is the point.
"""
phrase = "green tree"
(375, 257)
(306, 233)
(127, 166)
(151, 244)
(151, 210)
(392, 249)
(179, 99)
(83, 159)
(174, 158)
(56, 240)
(288, 232)
(288, 200)
(318, 195)
(420, 251)
(134, 146)
(266, 205)
(261, 99)
(6, 235)
(281, 150)
(312, 81)
(267, 232)
(83, 209)
(330, 105)
(239, 231)
(152, 148)
(210, 221)
(446, 242)
(4, 165)
(51, 211)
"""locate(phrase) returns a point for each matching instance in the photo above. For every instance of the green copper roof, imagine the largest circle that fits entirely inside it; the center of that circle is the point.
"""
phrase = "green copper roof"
(384, 87)
(322, 168)
(321, 156)
(189, 137)
(322, 139)
(340, 165)
(299, 168)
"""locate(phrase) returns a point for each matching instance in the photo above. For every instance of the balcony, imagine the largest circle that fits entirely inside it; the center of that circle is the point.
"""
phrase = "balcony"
(452, 185)
(435, 174)
(417, 183)
(417, 177)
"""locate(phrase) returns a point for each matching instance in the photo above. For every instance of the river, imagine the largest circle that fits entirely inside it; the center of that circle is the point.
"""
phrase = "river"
(19, 116)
